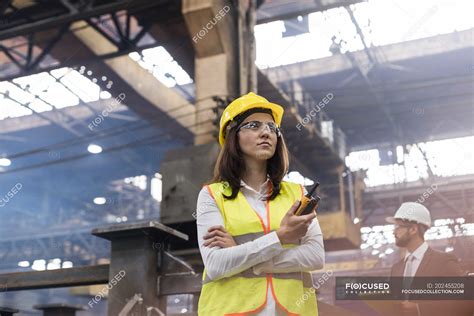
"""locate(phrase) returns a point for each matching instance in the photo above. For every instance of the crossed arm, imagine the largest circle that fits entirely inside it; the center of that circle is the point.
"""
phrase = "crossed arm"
(222, 257)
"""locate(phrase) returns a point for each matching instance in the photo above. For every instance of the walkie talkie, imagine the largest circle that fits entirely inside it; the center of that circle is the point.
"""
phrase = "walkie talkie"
(308, 202)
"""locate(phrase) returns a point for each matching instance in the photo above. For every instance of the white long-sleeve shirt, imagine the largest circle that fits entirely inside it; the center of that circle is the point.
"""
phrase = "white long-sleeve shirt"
(264, 254)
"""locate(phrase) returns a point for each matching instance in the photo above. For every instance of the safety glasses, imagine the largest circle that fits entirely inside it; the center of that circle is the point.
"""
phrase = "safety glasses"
(257, 125)
(398, 226)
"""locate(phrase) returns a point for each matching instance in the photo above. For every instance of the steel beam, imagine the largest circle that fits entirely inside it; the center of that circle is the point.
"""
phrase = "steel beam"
(141, 80)
(275, 10)
(52, 22)
(31, 280)
(181, 283)
(393, 53)
(6, 311)
(171, 284)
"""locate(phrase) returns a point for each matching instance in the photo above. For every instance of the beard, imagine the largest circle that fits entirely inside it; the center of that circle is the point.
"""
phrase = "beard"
(403, 240)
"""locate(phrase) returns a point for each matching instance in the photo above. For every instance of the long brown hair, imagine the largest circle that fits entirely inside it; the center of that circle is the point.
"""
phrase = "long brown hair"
(230, 164)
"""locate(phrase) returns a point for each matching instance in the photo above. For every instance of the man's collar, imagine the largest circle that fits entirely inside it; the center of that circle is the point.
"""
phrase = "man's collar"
(418, 252)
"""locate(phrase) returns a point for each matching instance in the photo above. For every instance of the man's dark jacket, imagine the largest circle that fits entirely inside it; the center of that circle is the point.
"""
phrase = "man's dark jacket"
(437, 264)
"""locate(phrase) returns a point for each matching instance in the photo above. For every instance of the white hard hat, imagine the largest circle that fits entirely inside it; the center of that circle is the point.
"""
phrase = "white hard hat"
(412, 211)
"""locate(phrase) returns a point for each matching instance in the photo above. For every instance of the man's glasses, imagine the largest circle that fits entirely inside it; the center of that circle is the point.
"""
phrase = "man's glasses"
(397, 226)
(257, 125)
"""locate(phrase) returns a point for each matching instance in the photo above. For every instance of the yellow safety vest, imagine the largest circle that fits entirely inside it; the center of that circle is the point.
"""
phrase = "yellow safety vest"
(246, 293)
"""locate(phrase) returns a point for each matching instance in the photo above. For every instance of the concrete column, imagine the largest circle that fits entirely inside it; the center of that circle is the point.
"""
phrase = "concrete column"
(212, 27)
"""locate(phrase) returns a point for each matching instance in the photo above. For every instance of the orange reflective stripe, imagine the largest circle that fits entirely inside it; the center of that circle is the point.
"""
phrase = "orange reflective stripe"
(256, 213)
(267, 210)
(210, 192)
(261, 221)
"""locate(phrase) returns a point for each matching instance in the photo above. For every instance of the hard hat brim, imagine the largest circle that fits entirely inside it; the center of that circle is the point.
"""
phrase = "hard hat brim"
(392, 220)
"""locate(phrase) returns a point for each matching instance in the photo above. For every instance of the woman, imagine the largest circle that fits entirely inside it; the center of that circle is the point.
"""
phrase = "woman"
(256, 252)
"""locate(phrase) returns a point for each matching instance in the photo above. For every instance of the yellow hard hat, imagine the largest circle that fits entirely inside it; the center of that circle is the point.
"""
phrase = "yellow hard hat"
(243, 104)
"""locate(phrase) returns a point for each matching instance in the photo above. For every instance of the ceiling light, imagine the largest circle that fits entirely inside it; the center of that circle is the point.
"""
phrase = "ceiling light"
(100, 200)
(94, 149)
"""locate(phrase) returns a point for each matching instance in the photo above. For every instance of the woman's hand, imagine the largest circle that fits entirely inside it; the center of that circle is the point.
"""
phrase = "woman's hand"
(218, 236)
(294, 227)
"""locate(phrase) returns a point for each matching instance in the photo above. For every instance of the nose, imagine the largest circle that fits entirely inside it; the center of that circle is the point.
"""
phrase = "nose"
(265, 129)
